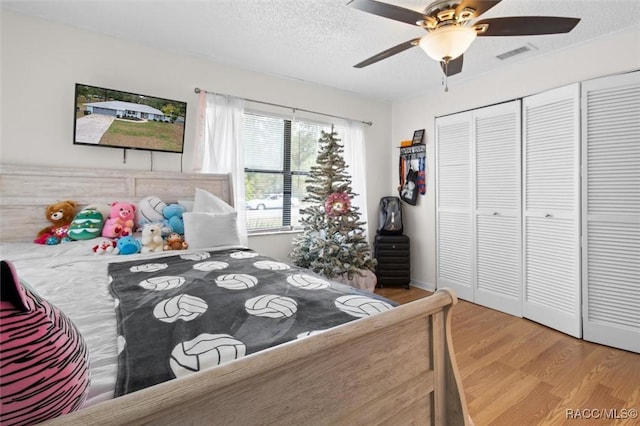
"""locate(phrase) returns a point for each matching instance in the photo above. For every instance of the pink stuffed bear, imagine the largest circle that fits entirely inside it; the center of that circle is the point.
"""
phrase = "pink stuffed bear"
(113, 228)
(126, 214)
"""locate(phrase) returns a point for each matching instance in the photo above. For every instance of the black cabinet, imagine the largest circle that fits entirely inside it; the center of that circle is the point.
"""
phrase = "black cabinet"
(394, 260)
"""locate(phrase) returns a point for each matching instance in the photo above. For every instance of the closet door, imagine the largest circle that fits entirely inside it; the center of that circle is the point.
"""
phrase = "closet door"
(455, 268)
(478, 206)
(551, 219)
(611, 212)
(497, 211)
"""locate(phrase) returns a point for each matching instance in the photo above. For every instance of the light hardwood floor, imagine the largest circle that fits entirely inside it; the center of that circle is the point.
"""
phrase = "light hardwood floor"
(517, 372)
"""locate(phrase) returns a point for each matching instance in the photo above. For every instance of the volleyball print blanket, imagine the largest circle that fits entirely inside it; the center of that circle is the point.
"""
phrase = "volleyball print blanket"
(186, 312)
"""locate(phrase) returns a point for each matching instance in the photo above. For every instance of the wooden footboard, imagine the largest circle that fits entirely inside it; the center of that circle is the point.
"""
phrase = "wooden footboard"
(393, 368)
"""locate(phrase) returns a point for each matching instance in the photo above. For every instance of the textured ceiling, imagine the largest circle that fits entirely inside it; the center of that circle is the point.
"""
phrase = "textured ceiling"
(319, 41)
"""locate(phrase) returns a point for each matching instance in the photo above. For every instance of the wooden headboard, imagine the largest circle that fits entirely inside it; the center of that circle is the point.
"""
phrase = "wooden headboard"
(26, 191)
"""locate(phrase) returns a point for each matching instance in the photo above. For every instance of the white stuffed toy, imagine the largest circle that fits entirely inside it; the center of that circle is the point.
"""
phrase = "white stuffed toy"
(106, 246)
(149, 211)
(152, 238)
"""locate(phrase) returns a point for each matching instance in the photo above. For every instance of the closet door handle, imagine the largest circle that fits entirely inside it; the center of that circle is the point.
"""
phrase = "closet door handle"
(496, 213)
(547, 215)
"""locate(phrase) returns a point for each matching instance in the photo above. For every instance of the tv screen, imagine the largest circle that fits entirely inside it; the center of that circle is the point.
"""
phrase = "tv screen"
(112, 118)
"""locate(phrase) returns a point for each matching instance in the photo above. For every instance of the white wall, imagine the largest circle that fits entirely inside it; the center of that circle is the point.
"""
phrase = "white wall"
(615, 53)
(41, 62)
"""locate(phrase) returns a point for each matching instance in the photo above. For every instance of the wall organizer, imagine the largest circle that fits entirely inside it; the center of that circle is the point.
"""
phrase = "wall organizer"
(412, 172)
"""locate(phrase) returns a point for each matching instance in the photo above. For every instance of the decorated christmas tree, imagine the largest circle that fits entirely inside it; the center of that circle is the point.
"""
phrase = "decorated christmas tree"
(333, 243)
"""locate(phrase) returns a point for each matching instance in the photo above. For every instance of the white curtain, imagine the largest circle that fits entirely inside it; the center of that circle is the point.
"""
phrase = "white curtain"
(219, 147)
(351, 134)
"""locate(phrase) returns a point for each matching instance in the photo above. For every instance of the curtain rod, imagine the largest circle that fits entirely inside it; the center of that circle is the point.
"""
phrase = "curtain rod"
(368, 123)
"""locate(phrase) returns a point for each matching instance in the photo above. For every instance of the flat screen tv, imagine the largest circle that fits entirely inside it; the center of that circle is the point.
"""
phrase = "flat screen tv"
(112, 118)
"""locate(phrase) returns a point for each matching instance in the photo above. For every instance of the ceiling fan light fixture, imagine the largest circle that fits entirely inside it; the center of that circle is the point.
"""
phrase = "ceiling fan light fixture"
(428, 23)
(466, 14)
(446, 15)
(448, 41)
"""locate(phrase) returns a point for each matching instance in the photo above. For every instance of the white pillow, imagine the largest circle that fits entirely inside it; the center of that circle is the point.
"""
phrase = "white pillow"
(205, 230)
(206, 202)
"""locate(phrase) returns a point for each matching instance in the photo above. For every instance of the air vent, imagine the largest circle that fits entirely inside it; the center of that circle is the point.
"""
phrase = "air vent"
(517, 51)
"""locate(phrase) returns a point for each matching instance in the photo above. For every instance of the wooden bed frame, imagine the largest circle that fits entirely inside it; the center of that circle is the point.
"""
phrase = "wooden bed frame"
(397, 367)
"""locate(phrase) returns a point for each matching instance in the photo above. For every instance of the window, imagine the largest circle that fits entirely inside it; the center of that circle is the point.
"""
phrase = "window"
(278, 154)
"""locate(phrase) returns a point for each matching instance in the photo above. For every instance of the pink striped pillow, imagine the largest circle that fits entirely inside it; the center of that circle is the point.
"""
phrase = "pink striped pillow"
(43, 358)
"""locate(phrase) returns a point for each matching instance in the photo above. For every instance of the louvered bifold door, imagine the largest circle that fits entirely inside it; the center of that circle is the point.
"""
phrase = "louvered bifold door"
(497, 207)
(611, 212)
(453, 204)
(551, 206)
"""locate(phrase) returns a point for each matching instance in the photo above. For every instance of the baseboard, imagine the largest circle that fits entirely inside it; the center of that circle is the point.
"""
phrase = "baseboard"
(423, 285)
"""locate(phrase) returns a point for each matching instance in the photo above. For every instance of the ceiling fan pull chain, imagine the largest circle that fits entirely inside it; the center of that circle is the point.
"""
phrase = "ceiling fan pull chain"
(446, 73)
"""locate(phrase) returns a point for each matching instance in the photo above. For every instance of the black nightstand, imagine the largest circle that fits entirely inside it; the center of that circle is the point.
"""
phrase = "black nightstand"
(393, 253)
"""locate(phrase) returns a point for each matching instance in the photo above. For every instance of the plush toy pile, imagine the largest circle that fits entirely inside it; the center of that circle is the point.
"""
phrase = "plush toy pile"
(160, 226)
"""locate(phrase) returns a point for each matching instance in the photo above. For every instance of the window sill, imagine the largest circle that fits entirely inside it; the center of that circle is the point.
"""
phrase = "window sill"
(273, 232)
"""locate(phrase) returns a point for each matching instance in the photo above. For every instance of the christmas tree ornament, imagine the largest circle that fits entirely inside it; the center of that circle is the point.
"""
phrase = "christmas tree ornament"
(337, 204)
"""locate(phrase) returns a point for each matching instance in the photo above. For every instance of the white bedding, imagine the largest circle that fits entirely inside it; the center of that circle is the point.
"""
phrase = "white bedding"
(75, 280)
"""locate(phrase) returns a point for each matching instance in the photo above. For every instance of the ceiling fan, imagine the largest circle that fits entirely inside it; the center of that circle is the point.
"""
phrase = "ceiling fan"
(450, 30)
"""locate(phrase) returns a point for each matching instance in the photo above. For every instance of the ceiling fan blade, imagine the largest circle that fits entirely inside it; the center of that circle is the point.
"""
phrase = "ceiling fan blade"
(480, 6)
(453, 67)
(387, 10)
(526, 25)
(389, 52)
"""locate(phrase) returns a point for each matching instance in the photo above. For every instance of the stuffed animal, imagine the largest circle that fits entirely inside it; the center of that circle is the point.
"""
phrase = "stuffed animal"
(60, 215)
(152, 238)
(106, 246)
(104, 208)
(173, 218)
(113, 228)
(126, 213)
(150, 211)
(175, 241)
(86, 225)
(128, 245)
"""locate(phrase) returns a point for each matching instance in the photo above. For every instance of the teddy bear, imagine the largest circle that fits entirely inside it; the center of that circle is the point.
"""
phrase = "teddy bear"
(125, 213)
(175, 241)
(60, 215)
(152, 238)
(113, 228)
